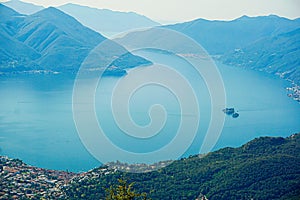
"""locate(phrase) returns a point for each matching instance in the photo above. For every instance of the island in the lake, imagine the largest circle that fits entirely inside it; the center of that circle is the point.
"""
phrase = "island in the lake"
(231, 112)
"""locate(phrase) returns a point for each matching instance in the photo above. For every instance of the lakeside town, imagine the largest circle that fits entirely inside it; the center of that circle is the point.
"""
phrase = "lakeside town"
(21, 181)
(294, 92)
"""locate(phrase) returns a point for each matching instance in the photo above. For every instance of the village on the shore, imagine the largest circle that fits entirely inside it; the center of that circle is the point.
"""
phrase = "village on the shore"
(21, 181)
(294, 92)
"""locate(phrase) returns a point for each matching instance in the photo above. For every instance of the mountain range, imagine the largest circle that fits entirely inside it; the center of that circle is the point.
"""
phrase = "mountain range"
(49, 40)
(104, 21)
(238, 42)
(265, 43)
(252, 42)
(220, 37)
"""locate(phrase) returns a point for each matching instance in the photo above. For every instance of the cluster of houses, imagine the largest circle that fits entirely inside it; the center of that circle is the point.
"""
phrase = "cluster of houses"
(21, 181)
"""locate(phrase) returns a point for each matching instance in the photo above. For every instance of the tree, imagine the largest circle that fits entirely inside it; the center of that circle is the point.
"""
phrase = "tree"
(124, 191)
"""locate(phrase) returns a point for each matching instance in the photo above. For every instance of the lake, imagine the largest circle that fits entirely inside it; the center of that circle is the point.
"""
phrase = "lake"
(37, 126)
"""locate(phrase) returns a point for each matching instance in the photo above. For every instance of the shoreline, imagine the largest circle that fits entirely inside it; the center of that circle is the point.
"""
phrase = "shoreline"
(294, 92)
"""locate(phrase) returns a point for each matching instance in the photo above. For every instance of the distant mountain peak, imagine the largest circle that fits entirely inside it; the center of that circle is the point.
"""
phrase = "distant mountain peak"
(67, 24)
(107, 21)
(7, 12)
(268, 17)
(50, 10)
(23, 7)
(274, 16)
(52, 13)
(244, 17)
(4, 8)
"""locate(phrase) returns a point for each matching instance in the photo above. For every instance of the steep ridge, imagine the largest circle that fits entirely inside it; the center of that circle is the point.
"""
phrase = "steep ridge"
(51, 40)
(14, 54)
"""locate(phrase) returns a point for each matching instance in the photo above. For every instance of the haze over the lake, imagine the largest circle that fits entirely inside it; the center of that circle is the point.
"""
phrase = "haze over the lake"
(186, 10)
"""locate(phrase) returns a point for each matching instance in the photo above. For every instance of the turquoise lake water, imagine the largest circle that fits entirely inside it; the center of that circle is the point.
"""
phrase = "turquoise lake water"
(36, 120)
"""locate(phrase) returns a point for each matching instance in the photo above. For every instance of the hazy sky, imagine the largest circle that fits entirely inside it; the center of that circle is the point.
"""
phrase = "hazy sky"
(184, 10)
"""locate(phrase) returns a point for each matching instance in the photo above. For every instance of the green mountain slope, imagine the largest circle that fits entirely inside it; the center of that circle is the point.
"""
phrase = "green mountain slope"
(265, 168)
(51, 40)
(265, 43)
(63, 42)
(278, 55)
(13, 53)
